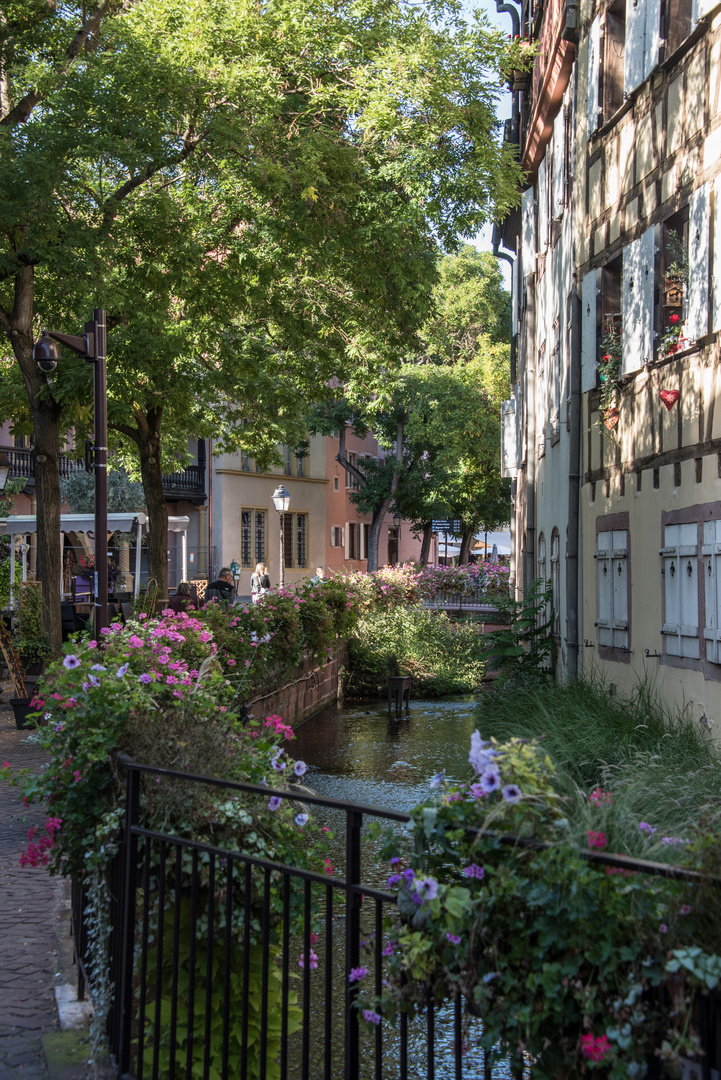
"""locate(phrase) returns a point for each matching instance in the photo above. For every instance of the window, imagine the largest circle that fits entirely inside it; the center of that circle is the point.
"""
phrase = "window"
(555, 375)
(287, 460)
(556, 580)
(288, 540)
(611, 558)
(680, 590)
(244, 461)
(350, 481)
(252, 537)
(365, 538)
(678, 23)
(542, 558)
(300, 465)
(295, 541)
(336, 536)
(613, 56)
(354, 540)
(673, 278)
(336, 483)
(301, 540)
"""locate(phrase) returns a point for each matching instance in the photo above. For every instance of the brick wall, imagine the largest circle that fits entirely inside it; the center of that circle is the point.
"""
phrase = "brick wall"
(307, 691)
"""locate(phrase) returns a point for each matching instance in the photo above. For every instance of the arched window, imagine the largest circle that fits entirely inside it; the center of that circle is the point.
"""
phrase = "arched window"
(542, 558)
(556, 580)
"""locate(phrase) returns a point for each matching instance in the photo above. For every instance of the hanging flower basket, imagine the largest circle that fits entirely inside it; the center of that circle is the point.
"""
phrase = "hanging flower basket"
(669, 397)
(610, 417)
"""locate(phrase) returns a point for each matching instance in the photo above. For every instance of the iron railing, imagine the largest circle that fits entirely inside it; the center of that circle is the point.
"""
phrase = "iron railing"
(187, 484)
(467, 600)
(209, 946)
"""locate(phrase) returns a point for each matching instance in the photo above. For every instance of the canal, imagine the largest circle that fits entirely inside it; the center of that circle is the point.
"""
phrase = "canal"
(364, 755)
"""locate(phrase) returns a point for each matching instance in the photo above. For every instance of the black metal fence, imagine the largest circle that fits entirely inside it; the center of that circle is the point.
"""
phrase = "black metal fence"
(217, 971)
(468, 600)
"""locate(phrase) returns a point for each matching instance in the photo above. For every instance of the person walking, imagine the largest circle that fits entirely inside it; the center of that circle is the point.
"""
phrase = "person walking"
(259, 582)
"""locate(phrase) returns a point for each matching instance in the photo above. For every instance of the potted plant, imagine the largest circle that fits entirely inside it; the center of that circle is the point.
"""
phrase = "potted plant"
(31, 648)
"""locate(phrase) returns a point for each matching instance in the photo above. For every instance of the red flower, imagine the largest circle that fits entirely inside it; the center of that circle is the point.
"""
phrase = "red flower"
(606, 358)
(596, 839)
(595, 1048)
(674, 318)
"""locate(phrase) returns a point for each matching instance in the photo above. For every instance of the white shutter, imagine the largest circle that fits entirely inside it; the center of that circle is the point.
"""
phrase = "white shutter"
(680, 587)
(362, 553)
(594, 48)
(699, 8)
(520, 428)
(346, 541)
(589, 354)
(634, 48)
(528, 236)
(712, 589)
(653, 36)
(542, 206)
(698, 265)
(559, 163)
(612, 589)
(514, 298)
(637, 301)
(509, 464)
(716, 320)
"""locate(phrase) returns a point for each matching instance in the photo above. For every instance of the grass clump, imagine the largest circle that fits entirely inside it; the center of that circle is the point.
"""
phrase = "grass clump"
(441, 656)
(656, 764)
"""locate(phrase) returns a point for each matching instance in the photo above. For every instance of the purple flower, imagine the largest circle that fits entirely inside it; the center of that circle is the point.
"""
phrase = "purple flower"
(71, 661)
(388, 949)
(393, 880)
(145, 678)
(453, 938)
(480, 757)
(477, 791)
(490, 779)
(685, 909)
(490, 976)
(646, 828)
(300, 768)
(356, 974)
(474, 871)
(97, 667)
(438, 780)
(675, 840)
(371, 1017)
(663, 928)
(427, 887)
(312, 963)
(278, 765)
(274, 802)
(511, 793)
(301, 819)
(121, 670)
(408, 876)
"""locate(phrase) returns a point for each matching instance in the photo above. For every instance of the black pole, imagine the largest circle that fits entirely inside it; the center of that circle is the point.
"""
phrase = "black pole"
(282, 553)
(100, 465)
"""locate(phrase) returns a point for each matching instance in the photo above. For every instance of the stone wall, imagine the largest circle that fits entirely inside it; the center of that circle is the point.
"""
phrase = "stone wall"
(307, 691)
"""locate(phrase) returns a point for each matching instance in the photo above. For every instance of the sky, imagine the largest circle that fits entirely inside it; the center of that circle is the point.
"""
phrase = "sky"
(502, 22)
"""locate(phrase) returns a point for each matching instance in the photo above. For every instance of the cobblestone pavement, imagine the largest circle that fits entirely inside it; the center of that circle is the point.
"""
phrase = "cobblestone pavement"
(29, 903)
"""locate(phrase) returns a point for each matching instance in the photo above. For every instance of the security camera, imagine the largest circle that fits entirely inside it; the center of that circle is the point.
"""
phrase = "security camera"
(46, 353)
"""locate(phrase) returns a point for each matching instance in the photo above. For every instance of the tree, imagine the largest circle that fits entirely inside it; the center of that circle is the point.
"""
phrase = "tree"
(121, 122)
(125, 496)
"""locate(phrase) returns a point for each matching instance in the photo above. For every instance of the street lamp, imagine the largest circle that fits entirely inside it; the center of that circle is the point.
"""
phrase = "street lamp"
(91, 346)
(281, 501)
(397, 526)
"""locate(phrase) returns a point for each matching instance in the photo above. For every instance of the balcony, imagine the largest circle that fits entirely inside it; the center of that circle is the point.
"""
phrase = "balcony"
(188, 484)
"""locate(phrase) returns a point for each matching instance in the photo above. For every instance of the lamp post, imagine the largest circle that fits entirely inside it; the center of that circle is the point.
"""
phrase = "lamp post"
(397, 526)
(91, 346)
(281, 501)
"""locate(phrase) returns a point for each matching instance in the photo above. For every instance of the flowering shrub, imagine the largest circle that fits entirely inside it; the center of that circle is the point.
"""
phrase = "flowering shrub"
(568, 962)
(491, 579)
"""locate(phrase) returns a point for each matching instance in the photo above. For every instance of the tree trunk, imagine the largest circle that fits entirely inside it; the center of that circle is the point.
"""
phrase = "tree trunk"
(147, 438)
(374, 534)
(466, 543)
(46, 415)
(426, 542)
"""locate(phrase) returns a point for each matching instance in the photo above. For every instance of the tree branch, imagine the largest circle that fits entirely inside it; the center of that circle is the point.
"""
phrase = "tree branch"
(343, 461)
(90, 28)
(112, 203)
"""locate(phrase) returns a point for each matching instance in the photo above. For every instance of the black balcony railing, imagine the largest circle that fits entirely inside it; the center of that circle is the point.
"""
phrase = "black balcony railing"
(208, 949)
(187, 484)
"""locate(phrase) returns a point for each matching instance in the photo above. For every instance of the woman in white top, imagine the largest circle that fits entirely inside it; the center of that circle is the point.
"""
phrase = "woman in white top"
(259, 582)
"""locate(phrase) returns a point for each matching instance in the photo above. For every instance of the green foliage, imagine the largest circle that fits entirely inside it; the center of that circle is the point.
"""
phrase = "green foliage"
(567, 962)
(31, 638)
(125, 496)
(443, 657)
(520, 651)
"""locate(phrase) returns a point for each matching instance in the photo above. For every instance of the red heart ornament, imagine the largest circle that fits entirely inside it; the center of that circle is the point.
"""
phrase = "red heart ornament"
(669, 397)
(610, 417)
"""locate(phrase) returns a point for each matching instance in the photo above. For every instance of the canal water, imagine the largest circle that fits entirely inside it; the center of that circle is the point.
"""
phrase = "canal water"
(364, 755)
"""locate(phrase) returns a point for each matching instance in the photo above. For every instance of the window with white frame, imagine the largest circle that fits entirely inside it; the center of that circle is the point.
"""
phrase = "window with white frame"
(611, 557)
(680, 590)
(336, 536)
(711, 551)
(352, 540)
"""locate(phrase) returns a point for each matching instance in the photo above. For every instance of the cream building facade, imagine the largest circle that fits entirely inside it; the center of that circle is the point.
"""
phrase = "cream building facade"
(643, 316)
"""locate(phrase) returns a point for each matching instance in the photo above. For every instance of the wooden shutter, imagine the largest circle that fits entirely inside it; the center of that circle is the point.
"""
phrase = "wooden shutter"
(594, 48)
(589, 353)
(509, 464)
(612, 588)
(653, 36)
(711, 551)
(637, 301)
(559, 164)
(680, 590)
(515, 297)
(346, 541)
(634, 54)
(698, 264)
(528, 234)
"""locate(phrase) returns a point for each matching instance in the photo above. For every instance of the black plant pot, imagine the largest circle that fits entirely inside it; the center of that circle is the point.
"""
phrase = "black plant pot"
(21, 707)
